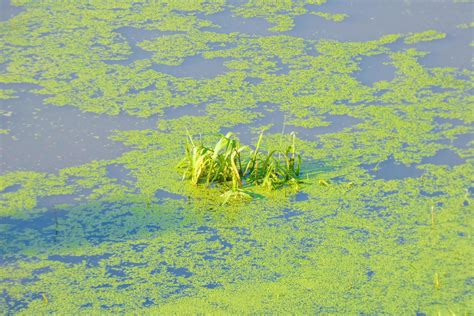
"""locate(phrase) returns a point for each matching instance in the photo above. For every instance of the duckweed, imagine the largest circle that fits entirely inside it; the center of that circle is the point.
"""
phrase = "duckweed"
(424, 36)
(349, 242)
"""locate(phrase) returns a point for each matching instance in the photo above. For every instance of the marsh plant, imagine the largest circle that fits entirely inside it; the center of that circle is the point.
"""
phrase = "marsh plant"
(235, 167)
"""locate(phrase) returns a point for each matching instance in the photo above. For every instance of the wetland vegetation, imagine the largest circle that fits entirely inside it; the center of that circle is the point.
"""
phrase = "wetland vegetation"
(365, 209)
(234, 166)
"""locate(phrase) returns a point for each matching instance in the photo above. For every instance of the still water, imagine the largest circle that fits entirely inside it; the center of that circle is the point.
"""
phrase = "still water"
(96, 99)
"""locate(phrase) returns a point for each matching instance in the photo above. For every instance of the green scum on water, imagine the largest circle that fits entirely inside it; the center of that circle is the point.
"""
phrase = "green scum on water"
(352, 239)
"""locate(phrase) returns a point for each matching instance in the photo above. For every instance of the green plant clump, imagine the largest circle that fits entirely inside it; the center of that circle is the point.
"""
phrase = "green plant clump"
(234, 166)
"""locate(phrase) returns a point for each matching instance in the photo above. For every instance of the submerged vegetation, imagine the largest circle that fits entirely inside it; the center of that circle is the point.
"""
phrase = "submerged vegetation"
(234, 166)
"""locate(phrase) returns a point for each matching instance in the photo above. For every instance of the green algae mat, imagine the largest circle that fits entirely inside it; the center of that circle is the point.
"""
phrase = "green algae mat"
(97, 98)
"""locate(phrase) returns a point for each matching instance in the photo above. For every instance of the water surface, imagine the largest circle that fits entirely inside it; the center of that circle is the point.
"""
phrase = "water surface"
(96, 100)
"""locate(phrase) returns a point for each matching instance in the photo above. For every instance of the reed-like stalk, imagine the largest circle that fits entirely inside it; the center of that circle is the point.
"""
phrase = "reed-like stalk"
(232, 165)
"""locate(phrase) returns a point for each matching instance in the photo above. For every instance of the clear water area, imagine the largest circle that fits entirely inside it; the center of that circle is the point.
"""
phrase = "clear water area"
(47, 138)
(95, 217)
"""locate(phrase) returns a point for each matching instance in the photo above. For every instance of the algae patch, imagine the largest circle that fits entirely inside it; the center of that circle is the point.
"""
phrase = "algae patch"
(149, 242)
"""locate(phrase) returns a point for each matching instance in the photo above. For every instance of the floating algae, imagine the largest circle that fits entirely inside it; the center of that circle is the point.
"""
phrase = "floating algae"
(128, 235)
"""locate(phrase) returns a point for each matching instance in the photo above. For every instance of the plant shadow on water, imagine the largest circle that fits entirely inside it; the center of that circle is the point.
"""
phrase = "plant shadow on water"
(83, 237)
(68, 238)
(95, 222)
